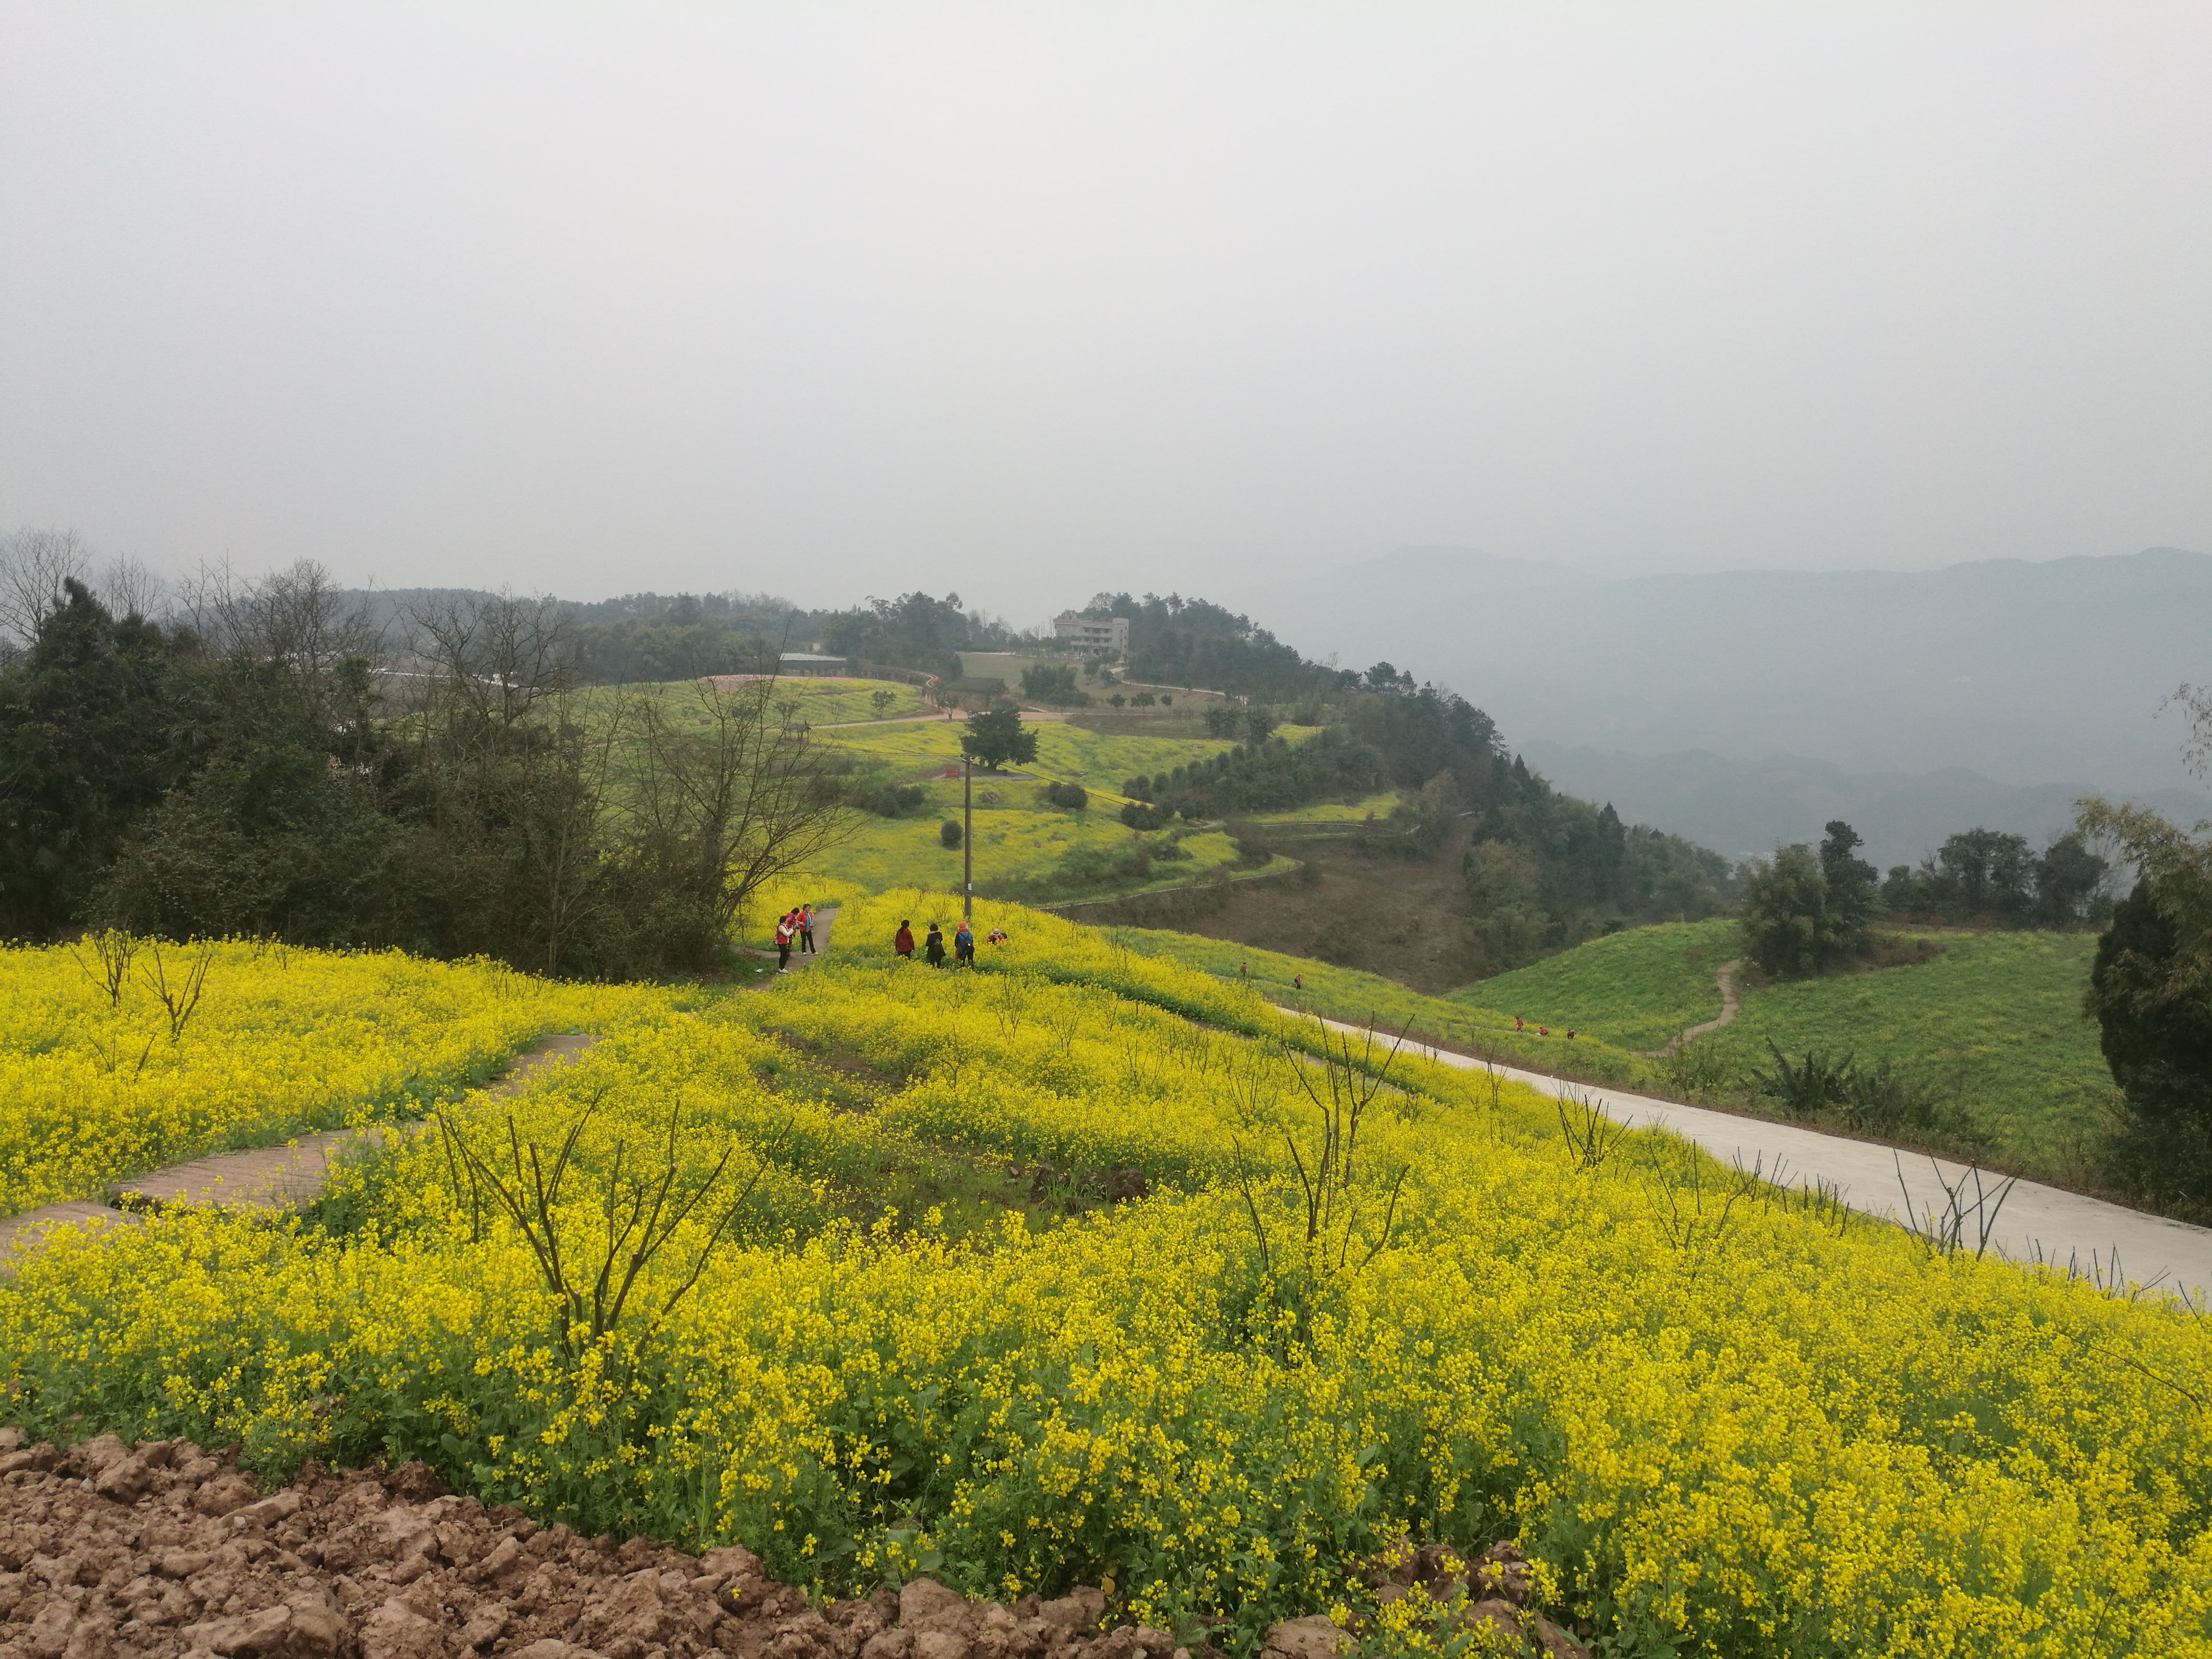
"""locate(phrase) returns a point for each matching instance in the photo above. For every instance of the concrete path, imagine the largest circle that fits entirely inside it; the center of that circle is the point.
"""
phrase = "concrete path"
(2021, 1220)
(272, 1178)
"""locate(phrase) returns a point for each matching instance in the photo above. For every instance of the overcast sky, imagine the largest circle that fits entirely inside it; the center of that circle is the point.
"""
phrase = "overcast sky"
(1024, 300)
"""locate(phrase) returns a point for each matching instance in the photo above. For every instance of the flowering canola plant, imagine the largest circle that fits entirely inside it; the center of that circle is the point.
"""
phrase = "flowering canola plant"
(95, 1087)
(1797, 1433)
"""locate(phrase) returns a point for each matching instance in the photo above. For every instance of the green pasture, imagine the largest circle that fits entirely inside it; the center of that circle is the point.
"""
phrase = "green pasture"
(1635, 989)
(1993, 1018)
(1347, 993)
(830, 703)
(1066, 753)
(1019, 842)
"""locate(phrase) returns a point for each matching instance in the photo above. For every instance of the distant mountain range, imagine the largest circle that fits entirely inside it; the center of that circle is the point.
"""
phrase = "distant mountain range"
(1922, 702)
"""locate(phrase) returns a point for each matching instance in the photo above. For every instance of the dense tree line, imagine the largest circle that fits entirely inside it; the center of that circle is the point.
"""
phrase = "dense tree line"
(1544, 871)
(915, 631)
(1266, 777)
(1807, 912)
(1193, 642)
(1989, 877)
(250, 767)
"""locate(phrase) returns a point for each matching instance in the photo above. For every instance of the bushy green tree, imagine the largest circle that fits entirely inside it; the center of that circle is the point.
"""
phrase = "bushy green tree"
(996, 736)
(1789, 927)
(1853, 892)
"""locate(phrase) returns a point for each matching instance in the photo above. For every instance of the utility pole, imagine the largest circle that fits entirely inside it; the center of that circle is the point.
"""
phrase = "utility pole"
(967, 836)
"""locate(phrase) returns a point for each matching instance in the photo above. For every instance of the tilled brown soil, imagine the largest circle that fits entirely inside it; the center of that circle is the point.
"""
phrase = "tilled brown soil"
(108, 1552)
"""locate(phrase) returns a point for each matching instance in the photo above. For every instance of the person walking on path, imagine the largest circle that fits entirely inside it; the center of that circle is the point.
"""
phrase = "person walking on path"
(903, 941)
(963, 947)
(807, 929)
(786, 930)
(934, 946)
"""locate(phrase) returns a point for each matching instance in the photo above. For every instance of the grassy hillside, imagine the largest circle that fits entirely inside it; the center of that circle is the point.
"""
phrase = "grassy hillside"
(1993, 1021)
(1864, 1447)
(1098, 761)
(1347, 994)
(1636, 988)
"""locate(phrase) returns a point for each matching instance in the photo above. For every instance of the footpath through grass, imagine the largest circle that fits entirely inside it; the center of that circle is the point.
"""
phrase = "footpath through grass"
(1636, 989)
(1994, 1019)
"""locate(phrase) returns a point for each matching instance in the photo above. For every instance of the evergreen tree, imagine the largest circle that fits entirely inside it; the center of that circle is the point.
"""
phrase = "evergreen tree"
(93, 719)
(996, 736)
(1852, 893)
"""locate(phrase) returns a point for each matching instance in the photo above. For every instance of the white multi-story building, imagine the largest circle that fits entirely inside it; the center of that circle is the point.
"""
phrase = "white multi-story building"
(1109, 633)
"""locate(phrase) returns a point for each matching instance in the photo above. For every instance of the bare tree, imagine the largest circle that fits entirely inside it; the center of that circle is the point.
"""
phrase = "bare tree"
(34, 565)
(727, 798)
(129, 588)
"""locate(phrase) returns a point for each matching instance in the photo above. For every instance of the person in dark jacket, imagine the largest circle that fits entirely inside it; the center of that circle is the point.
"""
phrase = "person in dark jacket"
(903, 941)
(963, 946)
(934, 946)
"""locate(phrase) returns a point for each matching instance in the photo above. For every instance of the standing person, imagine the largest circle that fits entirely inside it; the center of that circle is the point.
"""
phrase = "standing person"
(786, 929)
(1297, 982)
(903, 941)
(806, 928)
(934, 946)
(1517, 1022)
(963, 946)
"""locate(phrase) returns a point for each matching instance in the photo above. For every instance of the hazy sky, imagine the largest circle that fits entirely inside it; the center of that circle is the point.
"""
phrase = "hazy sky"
(1025, 299)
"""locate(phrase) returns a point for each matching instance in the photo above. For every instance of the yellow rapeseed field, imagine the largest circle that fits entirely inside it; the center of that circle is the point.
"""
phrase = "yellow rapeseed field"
(1779, 1432)
(115, 1063)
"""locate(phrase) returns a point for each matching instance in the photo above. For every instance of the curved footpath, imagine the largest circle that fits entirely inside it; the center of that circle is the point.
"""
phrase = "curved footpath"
(2106, 1243)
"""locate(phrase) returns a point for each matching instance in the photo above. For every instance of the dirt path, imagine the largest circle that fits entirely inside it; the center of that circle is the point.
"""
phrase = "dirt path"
(1730, 1008)
(2019, 1221)
(267, 1178)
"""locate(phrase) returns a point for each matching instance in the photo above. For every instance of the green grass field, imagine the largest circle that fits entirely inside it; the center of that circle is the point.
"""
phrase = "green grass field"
(1347, 993)
(1067, 753)
(827, 702)
(1635, 989)
(1993, 1020)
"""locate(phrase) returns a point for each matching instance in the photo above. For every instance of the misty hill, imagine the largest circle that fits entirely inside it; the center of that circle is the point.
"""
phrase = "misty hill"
(2026, 674)
(1744, 807)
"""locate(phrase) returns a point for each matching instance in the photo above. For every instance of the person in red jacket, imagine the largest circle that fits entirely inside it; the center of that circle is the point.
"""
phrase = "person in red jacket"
(903, 941)
(786, 930)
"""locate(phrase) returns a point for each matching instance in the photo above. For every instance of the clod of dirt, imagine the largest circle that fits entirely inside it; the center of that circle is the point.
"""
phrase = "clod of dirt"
(109, 1551)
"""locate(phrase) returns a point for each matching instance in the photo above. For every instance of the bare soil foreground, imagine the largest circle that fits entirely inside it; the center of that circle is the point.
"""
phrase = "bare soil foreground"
(106, 1552)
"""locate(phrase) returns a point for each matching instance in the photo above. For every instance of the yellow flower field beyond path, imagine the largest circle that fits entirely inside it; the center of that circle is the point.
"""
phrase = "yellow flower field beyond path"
(1722, 1421)
(279, 1041)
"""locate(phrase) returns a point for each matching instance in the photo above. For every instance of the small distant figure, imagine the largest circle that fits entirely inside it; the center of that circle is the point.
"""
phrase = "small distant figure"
(997, 936)
(903, 941)
(807, 929)
(1543, 1031)
(1243, 970)
(1297, 982)
(786, 928)
(1517, 1022)
(932, 948)
(1571, 1034)
(963, 947)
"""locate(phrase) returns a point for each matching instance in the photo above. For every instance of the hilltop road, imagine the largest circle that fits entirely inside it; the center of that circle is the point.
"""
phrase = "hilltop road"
(2106, 1241)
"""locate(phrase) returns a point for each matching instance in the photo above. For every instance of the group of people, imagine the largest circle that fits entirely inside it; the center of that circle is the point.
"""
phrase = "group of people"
(793, 929)
(933, 947)
(1542, 1030)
